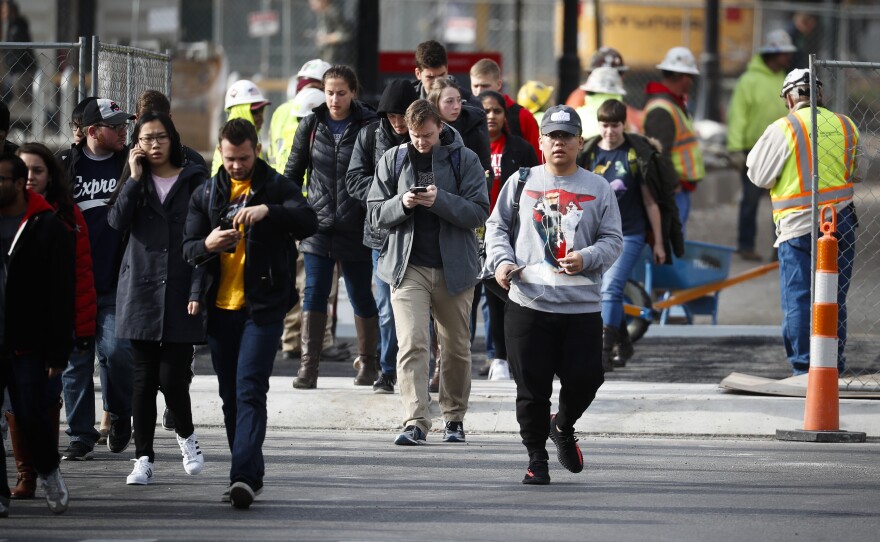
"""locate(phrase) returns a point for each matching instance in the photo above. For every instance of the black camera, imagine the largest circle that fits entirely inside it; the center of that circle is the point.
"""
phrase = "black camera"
(225, 222)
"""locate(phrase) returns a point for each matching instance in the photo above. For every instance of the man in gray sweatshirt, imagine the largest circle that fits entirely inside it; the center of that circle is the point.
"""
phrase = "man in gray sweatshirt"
(548, 242)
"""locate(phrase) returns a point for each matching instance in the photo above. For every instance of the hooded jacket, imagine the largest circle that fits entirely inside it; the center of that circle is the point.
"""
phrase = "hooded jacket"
(754, 105)
(270, 251)
(340, 215)
(155, 282)
(471, 124)
(40, 286)
(660, 178)
(460, 209)
(86, 311)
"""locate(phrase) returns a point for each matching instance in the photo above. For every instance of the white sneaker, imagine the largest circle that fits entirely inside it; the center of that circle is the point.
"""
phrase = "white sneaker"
(56, 492)
(142, 473)
(499, 370)
(193, 460)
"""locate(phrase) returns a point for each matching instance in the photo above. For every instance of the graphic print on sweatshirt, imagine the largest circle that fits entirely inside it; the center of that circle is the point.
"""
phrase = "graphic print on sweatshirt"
(556, 216)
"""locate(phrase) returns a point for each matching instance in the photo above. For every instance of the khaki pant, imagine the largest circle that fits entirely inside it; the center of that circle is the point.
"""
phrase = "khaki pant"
(422, 290)
(290, 340)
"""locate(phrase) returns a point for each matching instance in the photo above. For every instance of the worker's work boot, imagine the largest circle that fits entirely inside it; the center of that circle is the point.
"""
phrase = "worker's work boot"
(609, 336)
(623, 347)
(312, 331)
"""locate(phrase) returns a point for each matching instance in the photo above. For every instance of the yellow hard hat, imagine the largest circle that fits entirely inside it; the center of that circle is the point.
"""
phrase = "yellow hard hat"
(534, 95)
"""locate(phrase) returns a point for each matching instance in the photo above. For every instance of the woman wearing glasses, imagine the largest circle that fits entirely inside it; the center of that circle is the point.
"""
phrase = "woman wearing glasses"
(159, 293)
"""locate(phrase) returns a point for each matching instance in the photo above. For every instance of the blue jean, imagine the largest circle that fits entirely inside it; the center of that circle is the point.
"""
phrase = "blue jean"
(747, 225)
(614, 279)
(794, 286)
(387, 329)
(243, 354)
(32, 394)
(683, 201)
(358, 283)
(116, 372)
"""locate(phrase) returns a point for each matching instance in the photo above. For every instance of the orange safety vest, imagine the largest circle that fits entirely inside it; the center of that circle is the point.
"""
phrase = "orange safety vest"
(685, 152)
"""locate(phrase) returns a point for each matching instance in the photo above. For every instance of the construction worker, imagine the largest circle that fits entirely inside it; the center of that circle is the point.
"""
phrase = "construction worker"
(603, 84)
(666, 119)
(750, 112)
(781, 161)
(285, 119)
(604, 57)
(535, 96)
(244, 100)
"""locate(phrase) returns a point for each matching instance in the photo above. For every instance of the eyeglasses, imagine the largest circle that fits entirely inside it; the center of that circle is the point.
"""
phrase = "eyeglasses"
(149, 140)
(75, 126)
(118, 127)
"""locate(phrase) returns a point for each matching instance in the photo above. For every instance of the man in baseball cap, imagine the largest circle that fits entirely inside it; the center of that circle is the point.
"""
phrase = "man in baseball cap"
(561, 117)
(104, 111)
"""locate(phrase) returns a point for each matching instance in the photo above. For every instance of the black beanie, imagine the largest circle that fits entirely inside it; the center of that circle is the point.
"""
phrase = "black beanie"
(397, 96)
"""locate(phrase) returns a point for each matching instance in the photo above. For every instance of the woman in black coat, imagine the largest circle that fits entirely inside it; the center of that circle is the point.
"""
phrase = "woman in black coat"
(322, 149)
(509, 153)
(159, 292)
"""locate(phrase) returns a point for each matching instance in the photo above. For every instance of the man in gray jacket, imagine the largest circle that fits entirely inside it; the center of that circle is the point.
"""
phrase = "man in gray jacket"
(430, 194)
(548, 242)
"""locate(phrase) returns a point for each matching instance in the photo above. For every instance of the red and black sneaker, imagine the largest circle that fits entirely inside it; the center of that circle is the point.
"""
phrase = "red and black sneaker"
(567, 449)
(538, 473)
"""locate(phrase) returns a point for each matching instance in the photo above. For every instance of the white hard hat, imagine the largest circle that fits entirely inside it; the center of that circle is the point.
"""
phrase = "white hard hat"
(314, 69)
(605, 80)
(306, 100)
(245, 91)
(679, 60)
(797, 78)
(777, 41)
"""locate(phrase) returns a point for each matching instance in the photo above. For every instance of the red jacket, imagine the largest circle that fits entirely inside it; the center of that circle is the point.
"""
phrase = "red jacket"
(86, 301)
(528, 126)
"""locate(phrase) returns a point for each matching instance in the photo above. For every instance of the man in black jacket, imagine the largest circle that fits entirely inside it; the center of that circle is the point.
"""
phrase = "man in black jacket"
(247, 298)
(94, 166)
(36, 321)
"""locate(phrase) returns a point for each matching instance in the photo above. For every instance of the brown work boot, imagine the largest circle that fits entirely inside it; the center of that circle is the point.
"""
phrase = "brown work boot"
(367, 362)
(27, 475)
(609, 337)
(623, 347)
(312, 341)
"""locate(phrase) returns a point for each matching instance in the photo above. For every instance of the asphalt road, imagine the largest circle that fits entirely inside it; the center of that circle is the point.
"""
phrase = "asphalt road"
(358, 486)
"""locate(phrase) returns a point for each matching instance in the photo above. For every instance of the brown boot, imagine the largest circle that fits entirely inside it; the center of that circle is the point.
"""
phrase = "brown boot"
(609, 337)
(312, 341)
(367, 362)
(27, 475)
(434, 384)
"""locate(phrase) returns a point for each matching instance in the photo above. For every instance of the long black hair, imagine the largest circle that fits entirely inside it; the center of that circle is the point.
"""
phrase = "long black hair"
(58, 191)
(498, 97)
(175, 156)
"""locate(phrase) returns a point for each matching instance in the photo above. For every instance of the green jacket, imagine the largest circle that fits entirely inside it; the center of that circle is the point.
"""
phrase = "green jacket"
(755, 105)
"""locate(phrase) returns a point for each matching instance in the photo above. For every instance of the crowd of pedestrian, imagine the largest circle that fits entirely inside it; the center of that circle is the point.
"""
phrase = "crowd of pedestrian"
(442, 197)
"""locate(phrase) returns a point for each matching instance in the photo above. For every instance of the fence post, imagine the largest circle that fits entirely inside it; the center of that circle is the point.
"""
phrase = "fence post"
(38, 110)
(95, 69)
(66, 93)
(168, 74)
(81, 87)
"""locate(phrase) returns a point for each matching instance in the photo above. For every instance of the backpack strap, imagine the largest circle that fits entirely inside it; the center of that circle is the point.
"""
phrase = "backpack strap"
(455, 156)
(520, 185)
(399, 158)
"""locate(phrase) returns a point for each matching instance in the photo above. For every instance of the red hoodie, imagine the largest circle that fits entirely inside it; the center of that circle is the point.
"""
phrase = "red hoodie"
(527, 125)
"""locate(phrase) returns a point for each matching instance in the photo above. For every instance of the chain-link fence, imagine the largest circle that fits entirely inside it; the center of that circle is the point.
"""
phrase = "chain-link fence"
(853, 89)
(42, 82)
(123, 73)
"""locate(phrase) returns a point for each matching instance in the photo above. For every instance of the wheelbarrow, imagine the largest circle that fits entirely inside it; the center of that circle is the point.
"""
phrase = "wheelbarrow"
(692, 282)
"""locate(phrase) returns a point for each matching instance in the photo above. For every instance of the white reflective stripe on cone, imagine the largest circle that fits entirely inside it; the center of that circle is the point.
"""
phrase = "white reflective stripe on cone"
(823, 352)
(826, 287)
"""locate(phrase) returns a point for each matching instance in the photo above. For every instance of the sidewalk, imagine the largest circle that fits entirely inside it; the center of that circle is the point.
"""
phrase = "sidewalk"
(620, 408)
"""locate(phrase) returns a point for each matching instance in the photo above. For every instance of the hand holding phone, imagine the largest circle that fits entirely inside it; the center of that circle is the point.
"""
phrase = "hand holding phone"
(418, 189)
(516, 270)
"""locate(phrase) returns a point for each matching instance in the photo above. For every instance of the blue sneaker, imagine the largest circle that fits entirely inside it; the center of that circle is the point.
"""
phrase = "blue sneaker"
(411, 436)
(453, 432)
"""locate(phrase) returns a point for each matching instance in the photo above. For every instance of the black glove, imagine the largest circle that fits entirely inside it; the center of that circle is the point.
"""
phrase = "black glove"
(84, 344)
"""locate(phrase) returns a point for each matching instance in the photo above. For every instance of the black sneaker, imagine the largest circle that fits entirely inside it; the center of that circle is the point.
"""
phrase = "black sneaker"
(241, 495)
(411, 436)
(78, 451)
(538, 473)
(453, 432)
(385, 383)
(167, 420)
(119, 436)
(567, 449)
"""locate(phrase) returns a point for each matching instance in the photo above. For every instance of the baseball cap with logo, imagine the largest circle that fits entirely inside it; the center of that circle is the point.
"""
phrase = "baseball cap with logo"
(104, 111)
(561, 118)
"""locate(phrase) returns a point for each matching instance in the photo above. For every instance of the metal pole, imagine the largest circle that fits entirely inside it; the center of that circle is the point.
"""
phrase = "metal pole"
(287, 38)
(135, 16)
(569, 63)
(168, 74)
(81, 88)
(95, 44)
(597, 23)
(517, 47)
(814, 183)
(710, 85)
(129, 68)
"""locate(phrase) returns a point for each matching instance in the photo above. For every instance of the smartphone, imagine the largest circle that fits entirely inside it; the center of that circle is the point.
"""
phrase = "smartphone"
(418, 189)
(515, 270)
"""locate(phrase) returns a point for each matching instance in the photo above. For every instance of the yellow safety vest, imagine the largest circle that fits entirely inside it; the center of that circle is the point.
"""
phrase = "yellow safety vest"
(685, 152)
(839, 139)
(282, 128)
(589, 111)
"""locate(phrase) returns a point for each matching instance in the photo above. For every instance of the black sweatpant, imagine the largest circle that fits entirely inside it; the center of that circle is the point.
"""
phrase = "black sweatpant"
(541, 345)
(167, 365)
(496, 323)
